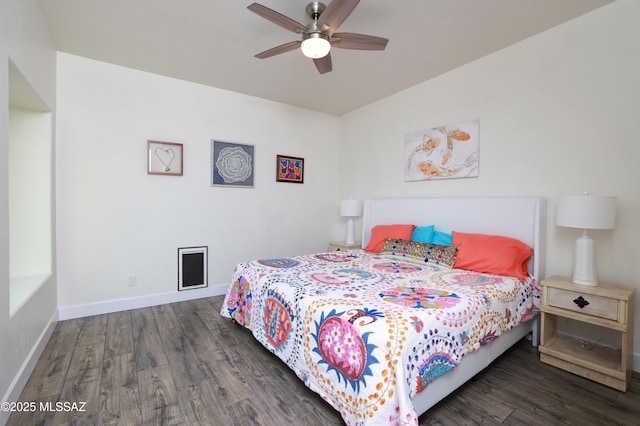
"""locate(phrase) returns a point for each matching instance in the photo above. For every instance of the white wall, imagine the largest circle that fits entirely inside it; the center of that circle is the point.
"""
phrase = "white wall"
(25, 40)
(115, 220)
(558, 115)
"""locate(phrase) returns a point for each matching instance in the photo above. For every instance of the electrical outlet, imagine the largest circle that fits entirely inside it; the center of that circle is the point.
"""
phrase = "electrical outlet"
(132, 280)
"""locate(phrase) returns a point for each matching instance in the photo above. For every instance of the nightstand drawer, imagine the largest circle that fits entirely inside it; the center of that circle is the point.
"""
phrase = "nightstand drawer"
(588, 304)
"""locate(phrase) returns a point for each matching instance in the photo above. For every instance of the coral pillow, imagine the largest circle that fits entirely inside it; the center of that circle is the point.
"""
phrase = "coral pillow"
(380, 233)
(491, 254)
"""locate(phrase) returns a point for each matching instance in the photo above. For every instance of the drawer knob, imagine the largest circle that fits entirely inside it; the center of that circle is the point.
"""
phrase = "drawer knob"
(581, 302)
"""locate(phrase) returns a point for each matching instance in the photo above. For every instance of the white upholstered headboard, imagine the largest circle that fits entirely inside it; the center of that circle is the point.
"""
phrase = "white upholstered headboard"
(516, 217)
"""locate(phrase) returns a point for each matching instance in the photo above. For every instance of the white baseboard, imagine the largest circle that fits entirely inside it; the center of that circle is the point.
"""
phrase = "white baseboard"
(23, 374)
(106, 307)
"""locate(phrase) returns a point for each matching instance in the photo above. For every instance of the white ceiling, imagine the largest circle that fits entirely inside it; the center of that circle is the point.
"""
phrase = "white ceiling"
(212, 42)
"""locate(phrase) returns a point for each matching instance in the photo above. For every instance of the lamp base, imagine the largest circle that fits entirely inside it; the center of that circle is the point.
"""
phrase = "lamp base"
(351, 235)
(584, 267)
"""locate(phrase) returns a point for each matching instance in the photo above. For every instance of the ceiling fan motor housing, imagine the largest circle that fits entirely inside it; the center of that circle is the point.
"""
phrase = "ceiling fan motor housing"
(314, 9)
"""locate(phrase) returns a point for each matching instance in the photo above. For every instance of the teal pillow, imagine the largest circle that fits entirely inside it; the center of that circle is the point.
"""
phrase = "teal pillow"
(441, 238)
(422, 234)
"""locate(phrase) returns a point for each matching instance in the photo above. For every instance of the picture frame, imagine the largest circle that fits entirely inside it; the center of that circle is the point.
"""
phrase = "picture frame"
(164, 158)
(443, 152)
(289, 169)
(192, 267)
(232, 164)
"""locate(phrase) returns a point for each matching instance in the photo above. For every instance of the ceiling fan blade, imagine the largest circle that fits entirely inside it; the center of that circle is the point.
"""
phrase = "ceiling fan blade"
(358, 41)
(277, 18)
(278, 49)
(323, 64)
(335, 14)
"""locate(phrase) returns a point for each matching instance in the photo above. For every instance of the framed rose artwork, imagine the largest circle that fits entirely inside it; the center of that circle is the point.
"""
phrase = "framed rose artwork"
(289, 169)
(232, 164)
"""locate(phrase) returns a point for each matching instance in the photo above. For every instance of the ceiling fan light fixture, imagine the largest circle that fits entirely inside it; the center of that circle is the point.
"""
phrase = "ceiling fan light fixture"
(319, 35)
(315, 45)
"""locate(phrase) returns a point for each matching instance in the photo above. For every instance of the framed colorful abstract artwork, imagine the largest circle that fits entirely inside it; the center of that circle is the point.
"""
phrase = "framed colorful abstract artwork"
(164, 158)
(289, 169)
(232, 164)
(444, 152)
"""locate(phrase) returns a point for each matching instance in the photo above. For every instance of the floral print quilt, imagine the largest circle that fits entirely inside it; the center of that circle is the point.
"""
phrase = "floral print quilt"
(367, 331)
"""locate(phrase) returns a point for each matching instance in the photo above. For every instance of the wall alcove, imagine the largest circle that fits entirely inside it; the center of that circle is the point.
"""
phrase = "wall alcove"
(30, 162)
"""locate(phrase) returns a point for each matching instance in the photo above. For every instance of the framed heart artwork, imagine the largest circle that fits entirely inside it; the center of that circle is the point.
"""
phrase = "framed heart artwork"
(164, 158)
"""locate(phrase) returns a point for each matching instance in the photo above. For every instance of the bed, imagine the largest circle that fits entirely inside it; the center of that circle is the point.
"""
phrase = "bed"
(384, 335)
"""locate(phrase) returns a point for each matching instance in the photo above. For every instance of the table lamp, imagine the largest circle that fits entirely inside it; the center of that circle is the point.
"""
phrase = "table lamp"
(350, 208)
(585, 212)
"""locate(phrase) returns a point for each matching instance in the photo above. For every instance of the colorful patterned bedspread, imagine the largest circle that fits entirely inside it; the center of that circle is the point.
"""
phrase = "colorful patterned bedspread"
(367, 332)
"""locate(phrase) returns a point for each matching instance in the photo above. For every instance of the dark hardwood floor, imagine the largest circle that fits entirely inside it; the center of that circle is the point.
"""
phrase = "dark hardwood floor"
(183, 364)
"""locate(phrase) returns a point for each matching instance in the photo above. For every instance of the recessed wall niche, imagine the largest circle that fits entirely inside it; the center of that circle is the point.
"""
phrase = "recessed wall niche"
(30, 190)
(192, 267)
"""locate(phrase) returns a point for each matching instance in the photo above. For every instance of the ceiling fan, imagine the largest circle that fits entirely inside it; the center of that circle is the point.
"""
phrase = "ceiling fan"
(319, 36)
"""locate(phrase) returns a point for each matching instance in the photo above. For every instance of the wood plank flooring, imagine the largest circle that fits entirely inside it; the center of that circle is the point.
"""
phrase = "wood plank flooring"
(183, 364)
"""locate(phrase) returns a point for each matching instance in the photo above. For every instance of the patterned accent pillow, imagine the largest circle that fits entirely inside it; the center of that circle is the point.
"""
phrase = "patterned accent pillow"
(428, 253)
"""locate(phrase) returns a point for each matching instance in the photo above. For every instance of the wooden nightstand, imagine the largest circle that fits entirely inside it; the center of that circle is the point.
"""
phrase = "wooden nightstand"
(342, 246)
(606, 306)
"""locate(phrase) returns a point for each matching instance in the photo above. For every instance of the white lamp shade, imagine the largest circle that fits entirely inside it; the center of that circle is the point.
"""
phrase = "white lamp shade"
(586, 212)
(350, 208)
(316, 46)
